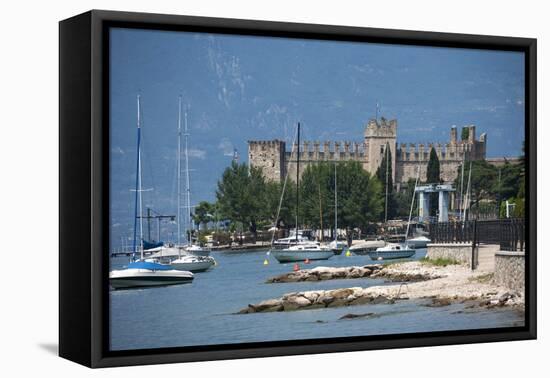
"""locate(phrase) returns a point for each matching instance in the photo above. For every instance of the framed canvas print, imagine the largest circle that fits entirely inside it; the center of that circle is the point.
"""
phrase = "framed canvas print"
(234, 188)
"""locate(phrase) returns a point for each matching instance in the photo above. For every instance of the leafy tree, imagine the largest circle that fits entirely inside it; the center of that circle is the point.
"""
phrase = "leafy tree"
(465, 133)
(404, 199)
(359, 196)
(272, 198)
(483, 182)
(239, 195)
(384, 175)
(204, 213)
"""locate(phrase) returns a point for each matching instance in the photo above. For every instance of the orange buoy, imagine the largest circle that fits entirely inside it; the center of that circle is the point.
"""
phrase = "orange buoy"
(307, 261)
(296, 267)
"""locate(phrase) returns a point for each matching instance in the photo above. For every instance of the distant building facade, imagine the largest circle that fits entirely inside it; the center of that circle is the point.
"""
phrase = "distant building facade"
(276, 162)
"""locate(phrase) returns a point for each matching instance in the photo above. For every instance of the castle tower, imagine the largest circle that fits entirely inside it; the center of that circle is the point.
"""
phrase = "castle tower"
(269, 156)
(378, 134)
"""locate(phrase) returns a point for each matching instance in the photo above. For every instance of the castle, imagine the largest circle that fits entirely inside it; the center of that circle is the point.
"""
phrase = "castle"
(276, 162)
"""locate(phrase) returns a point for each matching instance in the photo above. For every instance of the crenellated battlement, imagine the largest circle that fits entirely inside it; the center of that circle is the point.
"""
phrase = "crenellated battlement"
(277, 160)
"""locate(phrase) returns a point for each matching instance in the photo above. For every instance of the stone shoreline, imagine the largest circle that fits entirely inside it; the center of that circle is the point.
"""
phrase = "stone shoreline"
(386, 272)
(442, 285)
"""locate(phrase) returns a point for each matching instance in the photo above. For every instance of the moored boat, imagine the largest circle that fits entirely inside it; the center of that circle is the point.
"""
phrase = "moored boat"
(392, 251)
(364, 247)
(418, 242)
(141, 274)
(302, 252)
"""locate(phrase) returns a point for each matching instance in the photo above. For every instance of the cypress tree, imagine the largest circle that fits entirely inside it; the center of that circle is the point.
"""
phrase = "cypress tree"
(385, 169)
(433, 176)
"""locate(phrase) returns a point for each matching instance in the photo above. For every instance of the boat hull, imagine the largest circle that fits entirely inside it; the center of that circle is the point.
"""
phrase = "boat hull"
(284, 256)
(366, 247)
(140, 278)
(418, 243)
(389, 255)
(195, 267)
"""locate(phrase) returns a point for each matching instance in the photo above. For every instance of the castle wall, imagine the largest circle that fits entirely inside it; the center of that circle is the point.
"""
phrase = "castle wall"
(276, 162)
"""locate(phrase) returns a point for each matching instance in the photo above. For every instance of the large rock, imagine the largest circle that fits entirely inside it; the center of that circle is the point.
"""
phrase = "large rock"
(295, 302)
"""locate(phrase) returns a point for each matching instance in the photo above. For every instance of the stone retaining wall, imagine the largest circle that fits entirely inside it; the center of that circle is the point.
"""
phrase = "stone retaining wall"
(459, 252)
(510, 270)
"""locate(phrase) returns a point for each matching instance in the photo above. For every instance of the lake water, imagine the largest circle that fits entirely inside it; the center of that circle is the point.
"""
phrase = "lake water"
(203, 312)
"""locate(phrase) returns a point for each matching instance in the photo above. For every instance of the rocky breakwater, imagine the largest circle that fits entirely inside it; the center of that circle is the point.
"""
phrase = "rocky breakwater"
(440, 285)
(387, 272)
(319, 299)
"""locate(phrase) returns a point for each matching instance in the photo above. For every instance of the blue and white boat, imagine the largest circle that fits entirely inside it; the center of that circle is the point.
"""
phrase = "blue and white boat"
(139, 274)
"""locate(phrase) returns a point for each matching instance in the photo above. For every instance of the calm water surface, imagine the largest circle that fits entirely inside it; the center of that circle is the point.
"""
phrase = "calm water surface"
(203, 312)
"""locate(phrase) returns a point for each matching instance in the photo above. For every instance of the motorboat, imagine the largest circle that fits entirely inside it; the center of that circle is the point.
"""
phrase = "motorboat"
(141, 274)
(392, 251)
(364, 247)
(290, 241)
(302, 252)
(418, 242)
(189, 263)
(337, 246)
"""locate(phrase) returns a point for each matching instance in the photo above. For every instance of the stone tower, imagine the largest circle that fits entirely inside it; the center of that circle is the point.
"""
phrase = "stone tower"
(269, 156)
(378, 134)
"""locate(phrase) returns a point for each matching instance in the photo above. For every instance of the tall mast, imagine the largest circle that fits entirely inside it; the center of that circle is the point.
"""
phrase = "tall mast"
(412, 203)
(178, 214)
(139, 182)
(468, 188)
(297, 180)
(335, 204)
(461, 205)
(187, 184)
(137, 179)
(386, 202)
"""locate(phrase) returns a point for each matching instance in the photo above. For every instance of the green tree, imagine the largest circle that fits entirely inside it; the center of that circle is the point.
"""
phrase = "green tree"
(433, 173)
(204, 213)
(433, 176)
(465, 133)
(360, 200)
(240, 195)
(384, 175)
(483, 182)
(404, 199)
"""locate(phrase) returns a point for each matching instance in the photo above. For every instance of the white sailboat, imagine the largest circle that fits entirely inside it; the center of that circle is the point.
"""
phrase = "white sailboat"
(188, 257)
(396, 250)
(306, 250)
(141, 273)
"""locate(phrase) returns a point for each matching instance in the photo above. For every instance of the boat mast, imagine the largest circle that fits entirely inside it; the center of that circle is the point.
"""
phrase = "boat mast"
(412, 203)
(386, 202)
(187, 184)
(178, 216)
(335, 204)
(461, 205)
(137, 181)
(468, 189)
(297, 180)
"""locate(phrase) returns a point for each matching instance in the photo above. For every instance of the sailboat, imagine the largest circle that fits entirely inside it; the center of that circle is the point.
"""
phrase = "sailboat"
(143, 273)
(337, 246)
(396, 250)
(189, 257)
(301, 250)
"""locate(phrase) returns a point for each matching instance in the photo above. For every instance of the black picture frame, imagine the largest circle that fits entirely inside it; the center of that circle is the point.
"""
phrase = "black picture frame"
(84, 194)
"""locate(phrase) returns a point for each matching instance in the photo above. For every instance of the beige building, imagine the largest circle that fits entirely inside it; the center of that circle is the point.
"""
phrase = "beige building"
(276, 162)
